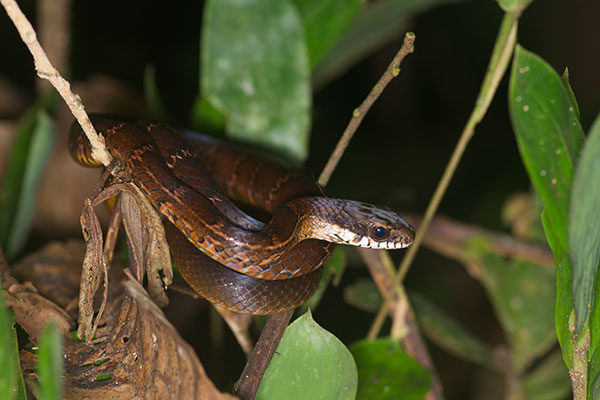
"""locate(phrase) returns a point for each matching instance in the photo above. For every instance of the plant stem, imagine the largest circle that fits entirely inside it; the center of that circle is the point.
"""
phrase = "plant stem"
(503, 49)
(359, 113)
(46, 70)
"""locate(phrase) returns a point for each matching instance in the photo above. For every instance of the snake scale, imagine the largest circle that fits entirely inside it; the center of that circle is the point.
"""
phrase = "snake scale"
(230, 258)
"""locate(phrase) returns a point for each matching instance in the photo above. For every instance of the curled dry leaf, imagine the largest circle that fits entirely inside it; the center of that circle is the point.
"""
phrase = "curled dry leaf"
(90, 273)
(149, 251)
(138, 353)
(153, 241)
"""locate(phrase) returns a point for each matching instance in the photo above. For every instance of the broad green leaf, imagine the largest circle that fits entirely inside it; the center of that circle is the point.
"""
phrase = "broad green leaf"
(325, 21)
(549, 380)
(152, 95)
(378, 23)
(20, 183)
(584, 241)
(584, 225)
(50, 363)
(514, 5)
(523, 296)
(449, 334)
(11, 380)
(255, 70)
(549, 137)
(363, 294)
(310, 363)
(385, 371)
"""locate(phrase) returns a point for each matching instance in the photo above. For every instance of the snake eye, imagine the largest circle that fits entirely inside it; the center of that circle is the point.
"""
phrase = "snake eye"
(379, 232)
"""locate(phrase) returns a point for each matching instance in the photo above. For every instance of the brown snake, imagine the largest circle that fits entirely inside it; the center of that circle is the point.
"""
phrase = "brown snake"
(243, 264)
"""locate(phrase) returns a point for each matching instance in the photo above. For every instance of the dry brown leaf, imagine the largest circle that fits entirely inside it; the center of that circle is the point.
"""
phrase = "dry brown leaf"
(54, 270)
(137, 353)
(140, 354)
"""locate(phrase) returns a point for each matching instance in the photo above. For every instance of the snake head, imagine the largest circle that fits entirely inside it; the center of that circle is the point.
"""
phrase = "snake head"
(378, 227)
(358, 224)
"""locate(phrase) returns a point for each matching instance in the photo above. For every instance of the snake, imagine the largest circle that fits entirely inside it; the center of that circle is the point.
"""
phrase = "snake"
(232, 259)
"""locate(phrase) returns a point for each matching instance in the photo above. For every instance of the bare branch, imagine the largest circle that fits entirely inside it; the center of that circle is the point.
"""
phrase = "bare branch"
(359, 113)
(46, 70)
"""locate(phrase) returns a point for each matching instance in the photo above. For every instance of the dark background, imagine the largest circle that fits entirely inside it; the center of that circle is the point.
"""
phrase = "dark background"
(398, 153)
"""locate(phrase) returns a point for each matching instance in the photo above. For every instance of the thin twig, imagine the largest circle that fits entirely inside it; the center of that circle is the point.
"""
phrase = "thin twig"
(54, 32)
(46, 70)
(501, 54)
(359, 113)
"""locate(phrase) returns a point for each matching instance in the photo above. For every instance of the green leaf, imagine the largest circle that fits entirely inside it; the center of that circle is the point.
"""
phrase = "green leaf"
(446, 332)
(549, 137)
(11, 380)
(584, 226)
(255, 70)
(310, 363)
(565, 80)
(152, 95)
(50, 363)
(379, 23)
(549, 380)
(522, 295)
(363, 294)
(20, 183)
(385, 371)
(325, 21)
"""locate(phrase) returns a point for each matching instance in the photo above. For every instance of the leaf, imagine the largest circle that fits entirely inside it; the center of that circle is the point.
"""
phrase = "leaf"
(375, 25)
(584, 241)
(325, 21)
(50, 364)
(363, 294)
(565, 80)
(584, 226)
(522, 294)
(21, 180)
(447, 333)
(255, 71)
(385, 371)
(11, 380)
(549, 137)
(207, 119)
(310, 363)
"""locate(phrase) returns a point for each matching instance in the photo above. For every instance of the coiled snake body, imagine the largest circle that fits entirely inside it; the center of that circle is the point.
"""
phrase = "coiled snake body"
(230, 258)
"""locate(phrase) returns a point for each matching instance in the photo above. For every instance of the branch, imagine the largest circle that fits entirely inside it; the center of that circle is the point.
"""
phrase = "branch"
(359, 113)
(46, 70)
(503, 49)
